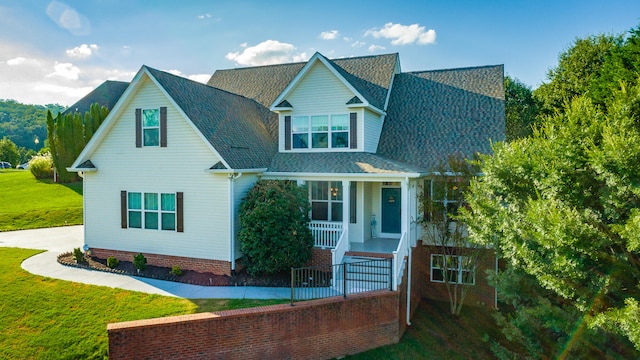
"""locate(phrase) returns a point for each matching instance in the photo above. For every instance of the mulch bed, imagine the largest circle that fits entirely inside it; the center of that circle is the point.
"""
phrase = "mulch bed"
(241, 278)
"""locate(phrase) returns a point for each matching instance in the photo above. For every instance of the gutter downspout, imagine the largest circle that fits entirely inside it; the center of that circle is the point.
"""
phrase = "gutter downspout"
(408, 314)
(232, 221)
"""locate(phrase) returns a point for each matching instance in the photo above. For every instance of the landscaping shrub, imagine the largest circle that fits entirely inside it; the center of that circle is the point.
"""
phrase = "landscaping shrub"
(175, 270)
(112, 262)
(274, 235)
(78, 256)
(41, 166)
(140, 262)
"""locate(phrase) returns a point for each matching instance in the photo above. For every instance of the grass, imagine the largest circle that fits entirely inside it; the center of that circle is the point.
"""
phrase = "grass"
(29, 203)
(44, 318)
(436, 334)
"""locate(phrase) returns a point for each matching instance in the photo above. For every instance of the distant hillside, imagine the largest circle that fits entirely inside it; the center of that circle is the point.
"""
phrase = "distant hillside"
(22, 123)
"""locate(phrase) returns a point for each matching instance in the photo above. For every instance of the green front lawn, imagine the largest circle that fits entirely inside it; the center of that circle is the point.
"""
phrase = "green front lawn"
(28, 203)
(44, 318)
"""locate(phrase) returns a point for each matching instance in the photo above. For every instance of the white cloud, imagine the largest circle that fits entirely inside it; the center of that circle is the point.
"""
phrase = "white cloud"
(204, 16)
(403, 34)
(82, 51)
(68, 18)
(329, 35)
(65, 70)
(22, 61)
(201, 78)
(373, 48)
(267, 53)
(358, 44)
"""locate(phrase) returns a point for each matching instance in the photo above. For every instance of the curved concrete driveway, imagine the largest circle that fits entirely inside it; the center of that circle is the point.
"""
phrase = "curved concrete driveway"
(64, 239)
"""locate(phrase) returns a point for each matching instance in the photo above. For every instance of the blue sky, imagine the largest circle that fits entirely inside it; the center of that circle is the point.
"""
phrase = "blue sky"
(58, 51)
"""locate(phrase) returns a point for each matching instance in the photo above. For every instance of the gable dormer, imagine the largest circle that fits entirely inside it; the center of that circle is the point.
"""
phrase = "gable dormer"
(326, 108)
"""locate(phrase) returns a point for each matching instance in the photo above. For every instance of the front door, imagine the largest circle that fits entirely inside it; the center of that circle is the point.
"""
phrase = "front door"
(391, 208)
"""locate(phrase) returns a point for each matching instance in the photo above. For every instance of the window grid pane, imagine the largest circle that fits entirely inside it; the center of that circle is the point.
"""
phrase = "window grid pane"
(150, 118)
(168, 221)
(134, 200)
(150, 220)
(168, 202)
(150, 201)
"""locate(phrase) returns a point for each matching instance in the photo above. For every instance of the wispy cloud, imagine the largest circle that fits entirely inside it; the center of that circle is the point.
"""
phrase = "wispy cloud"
(68, 18)
(329, 35)
(204, 16)
(404, 34)
(373, 48)
(358, 44)
(267, 53)
(82, 51)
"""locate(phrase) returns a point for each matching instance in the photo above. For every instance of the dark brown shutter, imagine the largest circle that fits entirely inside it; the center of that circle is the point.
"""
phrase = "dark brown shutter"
(123, 209)
(180, 212)
(287, 132)
(138, 127)
(353, 130)
(163, 127)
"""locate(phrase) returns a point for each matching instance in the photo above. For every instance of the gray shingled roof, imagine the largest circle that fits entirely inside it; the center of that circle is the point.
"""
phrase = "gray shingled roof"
(240, 129)
(370, 75)
(106, 94)
(340, 163)
(434, 114)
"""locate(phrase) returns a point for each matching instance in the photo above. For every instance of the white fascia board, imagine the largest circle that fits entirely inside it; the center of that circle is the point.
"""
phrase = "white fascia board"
(235, 171)
(341, 176)
(184, 115)
(305, 69)
(97, 138)
(72, 169)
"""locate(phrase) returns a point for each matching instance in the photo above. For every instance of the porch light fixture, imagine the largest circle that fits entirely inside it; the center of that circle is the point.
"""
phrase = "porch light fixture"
(334, 191)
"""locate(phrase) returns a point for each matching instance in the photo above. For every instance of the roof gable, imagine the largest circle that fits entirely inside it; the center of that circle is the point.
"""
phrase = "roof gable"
(106, 94)
(239, 130)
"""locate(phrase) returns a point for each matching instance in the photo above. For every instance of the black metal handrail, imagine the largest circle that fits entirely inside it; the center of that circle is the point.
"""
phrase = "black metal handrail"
(317, 282)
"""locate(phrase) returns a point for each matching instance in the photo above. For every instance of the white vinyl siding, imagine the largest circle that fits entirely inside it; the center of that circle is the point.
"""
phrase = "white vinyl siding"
(371, 123)
(177, 168)
(319, 92)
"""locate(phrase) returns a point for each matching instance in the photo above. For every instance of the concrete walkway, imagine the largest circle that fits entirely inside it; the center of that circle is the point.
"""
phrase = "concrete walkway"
(65, 239)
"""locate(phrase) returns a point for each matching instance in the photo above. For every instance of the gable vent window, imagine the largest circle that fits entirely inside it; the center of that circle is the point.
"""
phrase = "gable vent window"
(151, 127)
(321, 132)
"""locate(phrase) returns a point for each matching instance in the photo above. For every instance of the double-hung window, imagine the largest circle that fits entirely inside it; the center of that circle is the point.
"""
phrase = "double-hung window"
(457, 269)
(442, 197)
(151, 127)
(156, 211)
(320, 131)
(326, 200)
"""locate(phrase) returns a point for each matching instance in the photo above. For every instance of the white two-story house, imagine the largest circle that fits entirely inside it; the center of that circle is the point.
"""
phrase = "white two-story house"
(165, 173)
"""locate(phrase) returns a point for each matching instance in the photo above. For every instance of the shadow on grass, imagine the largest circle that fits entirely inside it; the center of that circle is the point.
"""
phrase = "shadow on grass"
(75, 186)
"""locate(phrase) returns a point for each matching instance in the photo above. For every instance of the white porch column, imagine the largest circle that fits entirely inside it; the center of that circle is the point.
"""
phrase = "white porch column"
(346, 206)
(405, 211)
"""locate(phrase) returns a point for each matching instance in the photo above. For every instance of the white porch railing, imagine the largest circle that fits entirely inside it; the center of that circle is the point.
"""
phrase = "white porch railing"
(326, 233)
(342, 246)
(398, 260)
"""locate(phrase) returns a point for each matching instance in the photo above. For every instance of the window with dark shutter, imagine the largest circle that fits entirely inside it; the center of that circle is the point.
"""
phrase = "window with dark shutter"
(353, 127)
(180, 212)
(123, 209)
(163, 127)
(138, 127)
(287, 132)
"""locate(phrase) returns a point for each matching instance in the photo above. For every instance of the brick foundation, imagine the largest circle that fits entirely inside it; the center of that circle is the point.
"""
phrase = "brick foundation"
(217, 267)
(320, 257)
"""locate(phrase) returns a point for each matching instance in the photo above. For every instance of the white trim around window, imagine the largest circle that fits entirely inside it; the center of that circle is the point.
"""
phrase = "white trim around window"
(456, 266)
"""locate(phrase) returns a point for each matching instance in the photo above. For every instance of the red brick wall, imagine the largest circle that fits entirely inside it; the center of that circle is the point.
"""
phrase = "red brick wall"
(217, 267)
(480, 294)
(320, 257)
(318, 329)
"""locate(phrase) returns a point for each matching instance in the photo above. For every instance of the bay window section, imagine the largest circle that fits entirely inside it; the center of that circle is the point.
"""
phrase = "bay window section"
(340, 131)
(320, 131)
(300, 132)
(168, 211)
(150, 210)
(135, 210)
(326, 200)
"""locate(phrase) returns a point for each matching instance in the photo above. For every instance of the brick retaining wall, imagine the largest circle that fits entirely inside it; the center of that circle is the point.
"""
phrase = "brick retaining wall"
(318, 329)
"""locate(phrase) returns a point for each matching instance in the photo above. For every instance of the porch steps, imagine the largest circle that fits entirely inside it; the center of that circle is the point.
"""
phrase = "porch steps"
(364, 274)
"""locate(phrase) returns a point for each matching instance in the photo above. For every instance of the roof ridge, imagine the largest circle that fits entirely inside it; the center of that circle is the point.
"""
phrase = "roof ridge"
(304, 62)
(452, 69)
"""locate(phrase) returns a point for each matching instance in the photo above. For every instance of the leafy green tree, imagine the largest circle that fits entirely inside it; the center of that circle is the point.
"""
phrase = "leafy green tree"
(274, 235)
(441, 199)
(521, 109)
(577, 68)
(68, 135)
(9, 152)
(562, 209)
(23, 123)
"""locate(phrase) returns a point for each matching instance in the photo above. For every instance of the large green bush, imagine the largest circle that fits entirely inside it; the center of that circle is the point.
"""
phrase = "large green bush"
(275, 235)
(41, 166)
